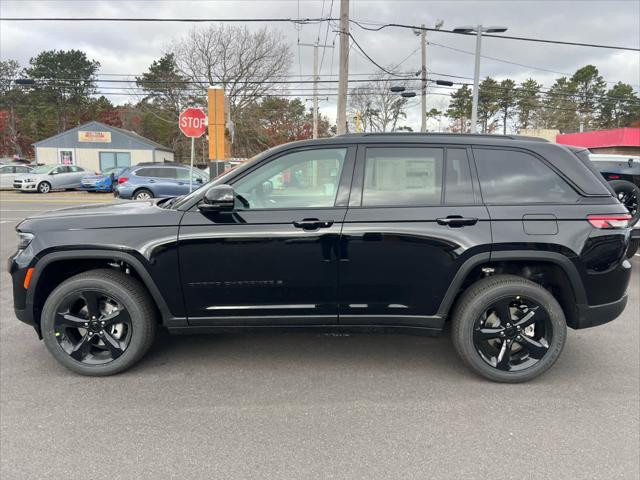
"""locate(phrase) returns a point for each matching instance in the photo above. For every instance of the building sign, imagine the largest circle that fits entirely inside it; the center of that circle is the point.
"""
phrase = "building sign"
(96, 137)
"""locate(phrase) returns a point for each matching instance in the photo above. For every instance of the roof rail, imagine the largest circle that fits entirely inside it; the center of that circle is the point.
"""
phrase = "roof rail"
(436, 134)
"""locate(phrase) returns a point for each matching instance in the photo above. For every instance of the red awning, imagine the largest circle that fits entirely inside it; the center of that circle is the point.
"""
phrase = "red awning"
(619, 137)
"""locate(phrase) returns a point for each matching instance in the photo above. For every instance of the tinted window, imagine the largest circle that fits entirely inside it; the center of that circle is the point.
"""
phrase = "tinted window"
(512, 177)
(22, 169)
(458, 187)
(307, 178)
(183, 174)
(76, 169)
(402, 176)
(157, 172)
(62, 170)
(7, 169)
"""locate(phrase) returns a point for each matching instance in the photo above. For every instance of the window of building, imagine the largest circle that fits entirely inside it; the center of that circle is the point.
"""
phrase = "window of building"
(513, 177)
(402, 176)
(114, 159)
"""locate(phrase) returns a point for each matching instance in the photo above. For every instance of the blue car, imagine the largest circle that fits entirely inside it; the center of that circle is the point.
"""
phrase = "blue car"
(102, 182)
(158, 180)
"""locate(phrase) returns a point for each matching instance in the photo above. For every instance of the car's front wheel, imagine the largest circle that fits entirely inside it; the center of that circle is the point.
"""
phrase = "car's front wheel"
(508, 329)
(99, 322)
(44, 187)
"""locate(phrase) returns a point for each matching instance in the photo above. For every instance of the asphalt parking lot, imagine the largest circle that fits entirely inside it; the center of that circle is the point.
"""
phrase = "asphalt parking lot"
(313, 406)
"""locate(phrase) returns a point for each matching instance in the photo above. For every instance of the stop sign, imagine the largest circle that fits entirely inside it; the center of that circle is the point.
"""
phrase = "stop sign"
(193, 122)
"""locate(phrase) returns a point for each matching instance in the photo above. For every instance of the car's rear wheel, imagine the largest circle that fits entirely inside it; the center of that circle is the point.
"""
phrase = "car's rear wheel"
(629, 195)
(44, 187)
(142, 194)
(508, 329)
(99, 322)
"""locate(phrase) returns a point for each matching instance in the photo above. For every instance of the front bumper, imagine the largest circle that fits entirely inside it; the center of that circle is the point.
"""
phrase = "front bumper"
(594, 315)
(25, 187)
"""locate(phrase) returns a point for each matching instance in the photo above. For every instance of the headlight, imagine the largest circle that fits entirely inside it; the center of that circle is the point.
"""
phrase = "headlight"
(28, 180)
(24, 239)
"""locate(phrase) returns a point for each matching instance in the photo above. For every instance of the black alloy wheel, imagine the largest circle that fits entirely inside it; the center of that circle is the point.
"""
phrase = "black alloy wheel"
(508, 328)
(92, 327)
(100, 322)
(513, 334)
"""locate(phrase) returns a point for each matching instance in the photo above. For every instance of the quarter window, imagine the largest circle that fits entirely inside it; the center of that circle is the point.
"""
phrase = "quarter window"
(515, 177)
(303, 179)
(402, 176)
(458, 188)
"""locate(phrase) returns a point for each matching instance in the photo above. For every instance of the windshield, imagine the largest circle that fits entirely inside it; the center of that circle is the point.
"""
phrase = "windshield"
(43, 169)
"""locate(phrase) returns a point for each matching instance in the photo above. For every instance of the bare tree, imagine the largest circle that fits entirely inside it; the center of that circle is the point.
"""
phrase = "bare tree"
(380, 109)
(244, 62)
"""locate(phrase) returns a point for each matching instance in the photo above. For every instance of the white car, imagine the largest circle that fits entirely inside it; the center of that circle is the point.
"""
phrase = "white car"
(45, 178)
(8, 174)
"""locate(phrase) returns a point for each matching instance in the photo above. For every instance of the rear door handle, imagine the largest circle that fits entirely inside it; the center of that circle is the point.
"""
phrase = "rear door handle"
(312, 224)
(457, 221)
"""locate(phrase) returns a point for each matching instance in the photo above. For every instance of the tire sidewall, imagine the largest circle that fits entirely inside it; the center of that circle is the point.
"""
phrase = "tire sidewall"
(139, 325)
(481, 303)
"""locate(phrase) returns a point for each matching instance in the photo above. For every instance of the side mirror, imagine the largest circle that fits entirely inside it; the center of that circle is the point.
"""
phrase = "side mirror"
(53, 172)
(199, 180)
(220, 198)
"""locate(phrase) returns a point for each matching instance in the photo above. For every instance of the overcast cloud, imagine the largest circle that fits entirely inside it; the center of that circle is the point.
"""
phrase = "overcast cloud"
(129, 48)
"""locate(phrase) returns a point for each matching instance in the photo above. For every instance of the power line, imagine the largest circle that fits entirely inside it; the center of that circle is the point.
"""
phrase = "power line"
(166, 19)
(504, 37)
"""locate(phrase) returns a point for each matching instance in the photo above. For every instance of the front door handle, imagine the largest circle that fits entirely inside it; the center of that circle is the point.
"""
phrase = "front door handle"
(457, 221)
(312, 224)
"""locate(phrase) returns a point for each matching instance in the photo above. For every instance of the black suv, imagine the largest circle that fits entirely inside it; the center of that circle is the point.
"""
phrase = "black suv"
(508, 239)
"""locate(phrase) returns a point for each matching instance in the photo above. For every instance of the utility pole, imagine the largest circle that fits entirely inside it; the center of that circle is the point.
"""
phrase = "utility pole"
(423, 102)
(343, 78)
(316, 79)
(476, 81)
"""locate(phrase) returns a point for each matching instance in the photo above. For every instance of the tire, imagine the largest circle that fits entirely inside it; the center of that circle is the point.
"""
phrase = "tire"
(44, 187)
(480, 297)
(629, 195)
(109, 286)
(633, 247)
(142, 194)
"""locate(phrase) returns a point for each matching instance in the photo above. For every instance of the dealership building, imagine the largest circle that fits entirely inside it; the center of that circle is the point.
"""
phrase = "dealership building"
(95, 146)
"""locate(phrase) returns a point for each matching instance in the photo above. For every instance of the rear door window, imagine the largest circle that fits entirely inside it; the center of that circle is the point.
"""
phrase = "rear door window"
(402, 176)
(511, 177)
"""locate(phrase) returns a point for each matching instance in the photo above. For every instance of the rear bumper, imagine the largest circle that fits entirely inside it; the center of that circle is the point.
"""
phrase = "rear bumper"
(594, 315)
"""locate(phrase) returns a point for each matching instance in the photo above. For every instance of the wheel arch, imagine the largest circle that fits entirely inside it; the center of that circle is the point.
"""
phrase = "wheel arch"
(552, 270)
(46, 276)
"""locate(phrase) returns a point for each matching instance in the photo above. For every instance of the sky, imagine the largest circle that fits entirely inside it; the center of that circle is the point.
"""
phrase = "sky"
(129, 48)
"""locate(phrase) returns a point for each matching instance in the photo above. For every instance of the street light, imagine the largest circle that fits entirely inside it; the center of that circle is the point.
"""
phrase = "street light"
(444, 83)
(408, 94)
(479, 30)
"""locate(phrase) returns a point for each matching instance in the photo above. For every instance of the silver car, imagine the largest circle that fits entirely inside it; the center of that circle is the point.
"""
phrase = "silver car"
(45, 178)
(8, 174)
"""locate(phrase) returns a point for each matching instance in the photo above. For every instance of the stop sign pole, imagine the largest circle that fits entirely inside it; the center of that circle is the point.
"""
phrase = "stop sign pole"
(192, 123)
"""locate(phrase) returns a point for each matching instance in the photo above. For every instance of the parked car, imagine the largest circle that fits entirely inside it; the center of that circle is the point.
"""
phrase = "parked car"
(102, 182)
(623, 174)
(45, 178)
(8, 173)
(508, 239)
(157, 180)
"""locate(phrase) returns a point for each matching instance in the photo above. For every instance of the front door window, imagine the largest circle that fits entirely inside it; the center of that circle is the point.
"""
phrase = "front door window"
(303, 179)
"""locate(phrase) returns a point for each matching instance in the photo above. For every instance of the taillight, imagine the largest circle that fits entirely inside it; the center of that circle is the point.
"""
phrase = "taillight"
(614, 177)
(122, 179)
(609, 221)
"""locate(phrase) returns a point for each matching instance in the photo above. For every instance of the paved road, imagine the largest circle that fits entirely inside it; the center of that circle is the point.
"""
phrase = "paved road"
(315, 407)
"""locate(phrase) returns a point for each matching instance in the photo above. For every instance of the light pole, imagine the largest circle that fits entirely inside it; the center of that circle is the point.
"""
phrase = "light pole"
(479, 30)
